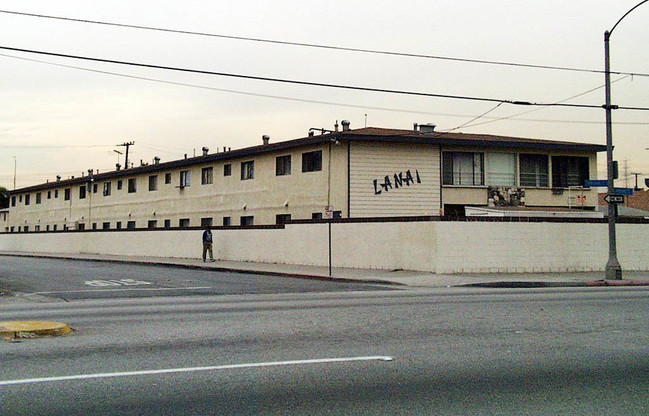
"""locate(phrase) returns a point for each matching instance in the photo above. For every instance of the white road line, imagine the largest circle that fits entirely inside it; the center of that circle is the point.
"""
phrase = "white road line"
(191, 369)
(116, 290)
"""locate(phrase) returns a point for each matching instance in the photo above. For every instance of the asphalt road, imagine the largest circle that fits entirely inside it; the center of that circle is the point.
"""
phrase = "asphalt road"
(67, 280)
(454, 352)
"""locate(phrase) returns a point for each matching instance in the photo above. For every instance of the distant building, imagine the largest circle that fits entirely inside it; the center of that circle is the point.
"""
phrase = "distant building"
(367, 172)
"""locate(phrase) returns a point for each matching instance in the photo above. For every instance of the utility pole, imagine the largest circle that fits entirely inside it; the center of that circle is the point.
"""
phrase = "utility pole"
(127, 145)
(14, 173)
(636, 174)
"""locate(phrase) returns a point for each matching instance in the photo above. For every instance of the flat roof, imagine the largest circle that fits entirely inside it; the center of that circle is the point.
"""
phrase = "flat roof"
(372, 134)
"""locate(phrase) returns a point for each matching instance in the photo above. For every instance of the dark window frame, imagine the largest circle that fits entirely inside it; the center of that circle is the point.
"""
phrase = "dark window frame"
(312, 161)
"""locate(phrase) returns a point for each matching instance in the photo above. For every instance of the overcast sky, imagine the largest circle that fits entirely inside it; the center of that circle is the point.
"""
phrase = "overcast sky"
(58, 120)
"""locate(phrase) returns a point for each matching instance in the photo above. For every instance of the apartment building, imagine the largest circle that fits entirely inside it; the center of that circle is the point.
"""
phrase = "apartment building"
(367, 172)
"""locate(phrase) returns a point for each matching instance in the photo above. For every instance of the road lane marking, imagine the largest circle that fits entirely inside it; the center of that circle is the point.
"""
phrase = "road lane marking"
(54, 292)
(193, 369)
(117, 282)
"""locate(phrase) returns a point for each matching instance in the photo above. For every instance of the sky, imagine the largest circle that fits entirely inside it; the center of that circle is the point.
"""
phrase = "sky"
(62, 116)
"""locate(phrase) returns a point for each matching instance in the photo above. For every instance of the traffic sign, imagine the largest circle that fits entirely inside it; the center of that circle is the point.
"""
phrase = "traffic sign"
(595, 183)
(614, 199)
(623, 191)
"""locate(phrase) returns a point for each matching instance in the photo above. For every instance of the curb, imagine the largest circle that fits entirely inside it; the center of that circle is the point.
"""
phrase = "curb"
(217, 269)
(30, 329)
(606, 282)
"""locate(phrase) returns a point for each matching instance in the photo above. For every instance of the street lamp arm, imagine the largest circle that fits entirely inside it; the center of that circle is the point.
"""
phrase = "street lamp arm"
(625, 15)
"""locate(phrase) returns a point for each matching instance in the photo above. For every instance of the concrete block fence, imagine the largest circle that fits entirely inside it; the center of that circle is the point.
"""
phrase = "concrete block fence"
(432, 246)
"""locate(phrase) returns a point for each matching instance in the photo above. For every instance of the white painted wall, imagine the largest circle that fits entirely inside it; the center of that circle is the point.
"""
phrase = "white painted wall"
(442, 247)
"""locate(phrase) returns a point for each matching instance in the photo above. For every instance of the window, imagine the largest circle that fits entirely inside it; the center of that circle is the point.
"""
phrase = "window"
(49, 194)
(168, 178)
(82, 192)
(463, 168)
(207, 176)
(119, 185)
(206, 222)
(56, 193)
(183, 222)
(247, 220)
(282, 218)
(20, 198)
(94, 188)
(27, 198)
(132, 186)
(13, 201)
(247, 170)
(501, 169)
(66, 194)
(569, 171)
(152, 224)
(47, 227)
(227, 170)
(312, 161)
(185, 177)
(94, 225)
(118, 225)
(82, 226)
(54, 227)
(105, 225)
(37, 228)
(167, 223)
(316, 216)
(107, 190)
(534, 170)
(227, 221)
(153, 183)
(283, 165)
(130, 225)
(26, 228)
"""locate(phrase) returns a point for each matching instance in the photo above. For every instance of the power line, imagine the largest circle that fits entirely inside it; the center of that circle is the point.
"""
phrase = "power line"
(313, 84)
(322, 46)
(514, 117)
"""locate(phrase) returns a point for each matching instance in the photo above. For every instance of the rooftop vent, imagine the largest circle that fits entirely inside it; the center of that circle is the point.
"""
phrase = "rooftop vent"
(156, 160)
(58, 178)
(428, 128)
(205, 151)
(265, 139)
(345, 124)
(118, 166)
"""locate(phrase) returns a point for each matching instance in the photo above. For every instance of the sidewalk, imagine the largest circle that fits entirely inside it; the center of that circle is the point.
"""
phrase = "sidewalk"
(395, 277)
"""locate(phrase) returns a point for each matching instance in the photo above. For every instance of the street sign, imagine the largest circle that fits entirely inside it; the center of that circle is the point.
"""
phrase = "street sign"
(595, 183)
(614, 199)
(623, 191)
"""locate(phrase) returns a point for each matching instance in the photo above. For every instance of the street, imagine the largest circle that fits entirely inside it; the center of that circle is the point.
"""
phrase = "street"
(64, 280)
(446, 351)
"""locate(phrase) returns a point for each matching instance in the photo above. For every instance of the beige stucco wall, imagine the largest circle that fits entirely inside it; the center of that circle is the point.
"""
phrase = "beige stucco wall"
(442, 247)
(299, 194)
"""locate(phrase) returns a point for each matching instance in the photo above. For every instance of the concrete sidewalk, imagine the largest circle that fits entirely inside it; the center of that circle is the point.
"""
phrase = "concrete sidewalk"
(396, 277)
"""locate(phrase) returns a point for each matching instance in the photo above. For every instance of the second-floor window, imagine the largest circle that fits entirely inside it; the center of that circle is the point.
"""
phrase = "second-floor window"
(82, 192)
(247, 170)
(312, 161)
(185, 178)
(283, 165)
(463, 168)
(153, 183)
(132, 186)
(107, 186)
(207, 176)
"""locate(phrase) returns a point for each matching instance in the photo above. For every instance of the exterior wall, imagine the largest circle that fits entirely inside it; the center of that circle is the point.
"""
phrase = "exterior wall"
(433, 246)
(4, 220)
(299, 194)
(374, 164)
(465, 196)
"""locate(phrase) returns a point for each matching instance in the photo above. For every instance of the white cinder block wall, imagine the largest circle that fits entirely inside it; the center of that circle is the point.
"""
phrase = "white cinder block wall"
(442, 247)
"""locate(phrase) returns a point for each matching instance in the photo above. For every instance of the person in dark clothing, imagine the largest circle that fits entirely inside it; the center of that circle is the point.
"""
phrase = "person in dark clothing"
(207, 244)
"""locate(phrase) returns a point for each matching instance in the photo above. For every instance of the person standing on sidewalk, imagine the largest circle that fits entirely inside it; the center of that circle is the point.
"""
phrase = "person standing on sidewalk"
(207, 244)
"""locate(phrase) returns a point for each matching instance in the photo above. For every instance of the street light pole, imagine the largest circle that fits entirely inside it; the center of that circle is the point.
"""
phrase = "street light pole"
(613, 268)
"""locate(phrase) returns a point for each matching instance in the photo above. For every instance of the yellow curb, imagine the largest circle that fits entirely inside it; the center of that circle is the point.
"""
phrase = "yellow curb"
(28, 329)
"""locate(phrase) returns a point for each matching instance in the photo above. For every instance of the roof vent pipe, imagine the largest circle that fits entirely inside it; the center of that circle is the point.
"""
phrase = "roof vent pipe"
(428, 128)
(58, 178)
(205, 150)
(156, 160)
(118, 166)
(345, 124)
(336, 126)
(265, 139)
(415, 125)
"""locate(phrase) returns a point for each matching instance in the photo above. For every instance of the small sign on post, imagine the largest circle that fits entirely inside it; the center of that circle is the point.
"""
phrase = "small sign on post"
(614, 199)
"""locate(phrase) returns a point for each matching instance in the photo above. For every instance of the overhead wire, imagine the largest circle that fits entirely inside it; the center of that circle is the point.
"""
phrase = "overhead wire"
(310, 83)
(323, 46)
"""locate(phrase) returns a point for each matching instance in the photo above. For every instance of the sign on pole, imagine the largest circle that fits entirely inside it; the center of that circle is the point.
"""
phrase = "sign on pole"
(614, 199)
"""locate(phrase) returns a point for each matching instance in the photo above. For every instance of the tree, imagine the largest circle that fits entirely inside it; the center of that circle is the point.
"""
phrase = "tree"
(4, 197)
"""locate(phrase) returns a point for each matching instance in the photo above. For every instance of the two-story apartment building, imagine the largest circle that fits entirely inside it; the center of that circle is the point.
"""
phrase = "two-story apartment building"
(367, 172)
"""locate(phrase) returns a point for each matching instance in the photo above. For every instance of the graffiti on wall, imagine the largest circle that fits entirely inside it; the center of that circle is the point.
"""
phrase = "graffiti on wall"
(399, 180)
(506, 196)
